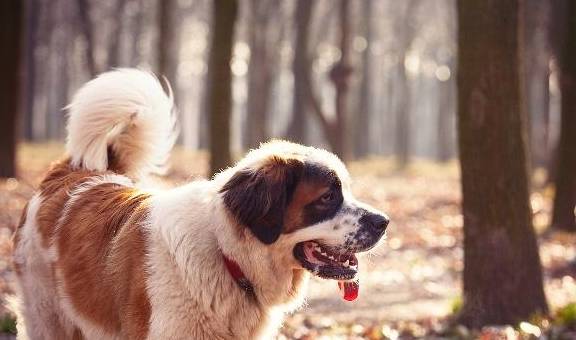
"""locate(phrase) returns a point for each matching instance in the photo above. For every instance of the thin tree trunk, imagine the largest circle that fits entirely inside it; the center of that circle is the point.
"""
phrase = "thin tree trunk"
(502, 270)
(340, 75)
(220, 82)
(403, 119)
(537, 50)
(86, 27)
(445, 118)
(362, 129)
(565, 179)
(136, 31)
(116, 34)
(11, 24)
(167, 39)
(301, 68)
(31, 31)
(263, 35)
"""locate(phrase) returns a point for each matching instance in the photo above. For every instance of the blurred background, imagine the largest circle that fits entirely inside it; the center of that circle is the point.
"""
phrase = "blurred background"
(375, 81)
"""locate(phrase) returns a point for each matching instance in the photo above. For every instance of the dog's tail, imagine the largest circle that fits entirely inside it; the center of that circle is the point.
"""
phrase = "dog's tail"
(122, 121)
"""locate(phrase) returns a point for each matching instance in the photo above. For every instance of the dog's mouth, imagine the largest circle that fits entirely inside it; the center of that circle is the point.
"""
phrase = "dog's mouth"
(328, 263)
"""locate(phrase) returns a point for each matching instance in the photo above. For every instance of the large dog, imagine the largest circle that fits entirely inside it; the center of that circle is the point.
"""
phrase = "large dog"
(99, 258)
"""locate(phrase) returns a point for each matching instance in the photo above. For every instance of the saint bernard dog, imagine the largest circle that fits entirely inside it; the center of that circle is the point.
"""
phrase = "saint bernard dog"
(98, 257)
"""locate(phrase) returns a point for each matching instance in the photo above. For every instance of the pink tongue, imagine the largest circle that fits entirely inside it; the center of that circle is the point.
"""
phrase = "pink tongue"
(349, 289)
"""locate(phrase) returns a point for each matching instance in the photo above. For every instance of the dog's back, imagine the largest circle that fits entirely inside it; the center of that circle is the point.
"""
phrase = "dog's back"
(79, 249)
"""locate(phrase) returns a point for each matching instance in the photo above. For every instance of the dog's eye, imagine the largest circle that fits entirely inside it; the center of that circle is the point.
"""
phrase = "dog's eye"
(327, 197)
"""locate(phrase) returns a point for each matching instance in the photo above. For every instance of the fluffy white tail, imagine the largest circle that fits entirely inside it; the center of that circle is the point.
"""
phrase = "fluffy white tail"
(121, 120)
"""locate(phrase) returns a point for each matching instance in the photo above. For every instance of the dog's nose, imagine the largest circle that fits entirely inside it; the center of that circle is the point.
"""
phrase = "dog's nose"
(376, 222)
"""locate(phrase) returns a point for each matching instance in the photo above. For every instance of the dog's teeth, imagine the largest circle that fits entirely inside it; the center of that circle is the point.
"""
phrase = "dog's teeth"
(347, 263)
(331, 257)
(324, 254)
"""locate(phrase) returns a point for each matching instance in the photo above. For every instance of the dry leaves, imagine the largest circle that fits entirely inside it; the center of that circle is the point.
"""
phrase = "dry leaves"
(407, 286)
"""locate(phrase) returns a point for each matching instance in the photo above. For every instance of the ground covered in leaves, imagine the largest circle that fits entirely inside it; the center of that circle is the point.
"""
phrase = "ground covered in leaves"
(408, 287)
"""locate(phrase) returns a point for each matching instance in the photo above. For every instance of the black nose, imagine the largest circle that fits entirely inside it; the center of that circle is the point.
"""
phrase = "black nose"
(376, 222)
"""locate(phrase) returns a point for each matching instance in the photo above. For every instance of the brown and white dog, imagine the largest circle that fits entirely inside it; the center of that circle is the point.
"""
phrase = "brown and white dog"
(97, 257)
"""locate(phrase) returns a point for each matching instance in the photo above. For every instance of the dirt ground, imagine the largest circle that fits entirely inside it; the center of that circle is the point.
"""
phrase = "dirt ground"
(413, 281)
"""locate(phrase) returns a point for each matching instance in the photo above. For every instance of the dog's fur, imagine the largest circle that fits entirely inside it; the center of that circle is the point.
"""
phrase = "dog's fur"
(99, 258)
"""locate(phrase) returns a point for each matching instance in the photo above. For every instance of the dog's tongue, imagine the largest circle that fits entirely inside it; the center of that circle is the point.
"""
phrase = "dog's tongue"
(349, 289)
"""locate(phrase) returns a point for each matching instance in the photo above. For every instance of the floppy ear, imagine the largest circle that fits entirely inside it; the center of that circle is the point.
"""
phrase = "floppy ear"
(258, 197)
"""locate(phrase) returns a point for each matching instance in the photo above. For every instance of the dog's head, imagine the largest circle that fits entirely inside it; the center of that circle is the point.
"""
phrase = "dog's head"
(300, 196)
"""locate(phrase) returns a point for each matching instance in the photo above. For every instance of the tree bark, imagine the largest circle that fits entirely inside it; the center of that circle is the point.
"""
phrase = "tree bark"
(11, 23)
(224, 14)
(405, 32)
(86, 27)
(565, 180)
(340, 75)
(362, 128)
(446, 137)
(168, 37)
(264, 34)
(29, 71)
(502, 270)
(402, 146)
(301, 69)
(116, 34)
(537, 49)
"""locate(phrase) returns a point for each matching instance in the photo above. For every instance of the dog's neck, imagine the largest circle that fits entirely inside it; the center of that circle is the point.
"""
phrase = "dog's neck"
(196, 230)
(238, 275)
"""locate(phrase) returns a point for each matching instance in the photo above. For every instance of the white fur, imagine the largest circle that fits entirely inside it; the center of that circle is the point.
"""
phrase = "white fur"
(40, 305)
(127, 110)
(192, 296)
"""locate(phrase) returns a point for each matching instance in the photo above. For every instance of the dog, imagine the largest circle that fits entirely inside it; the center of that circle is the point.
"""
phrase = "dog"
(98, 257)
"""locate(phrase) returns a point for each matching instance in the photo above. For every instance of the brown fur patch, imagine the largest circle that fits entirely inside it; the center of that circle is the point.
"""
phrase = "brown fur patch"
(101, 250)
(54, 189)
(306, 192)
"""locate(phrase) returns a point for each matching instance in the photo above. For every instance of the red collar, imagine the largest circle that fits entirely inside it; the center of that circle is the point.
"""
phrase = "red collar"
(238, 275)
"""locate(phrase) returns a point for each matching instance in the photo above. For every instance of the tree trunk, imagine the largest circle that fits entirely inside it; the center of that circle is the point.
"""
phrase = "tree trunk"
(264, 33)
(168, 37)
(403, 118)
(220, 83)
(362, 128)
(537, 50)
(31, 32)
(11, 23)
(301, 69)
(340, 75)
(136, 32)
(565, 179)
(502, 271)
(86, 27)
(405, 31)
(446, 118)
(116, 34)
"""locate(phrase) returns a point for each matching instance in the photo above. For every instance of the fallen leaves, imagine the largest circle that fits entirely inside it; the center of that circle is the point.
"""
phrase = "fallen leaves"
(409, 285)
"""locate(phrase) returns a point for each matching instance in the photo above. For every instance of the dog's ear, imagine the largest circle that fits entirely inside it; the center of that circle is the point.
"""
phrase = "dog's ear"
(258, 197)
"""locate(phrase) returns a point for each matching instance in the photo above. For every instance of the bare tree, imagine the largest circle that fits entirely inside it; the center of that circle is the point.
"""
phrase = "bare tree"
(565, 179)
(502, 270)
(301, 69)
(219, 84)
(83, 7)
(11, 36)
(168, 38)
(32, 8)
(405, 31)
(362, 126)
(334, 129)
(116, 34)
(265, 30)
(340, 75)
